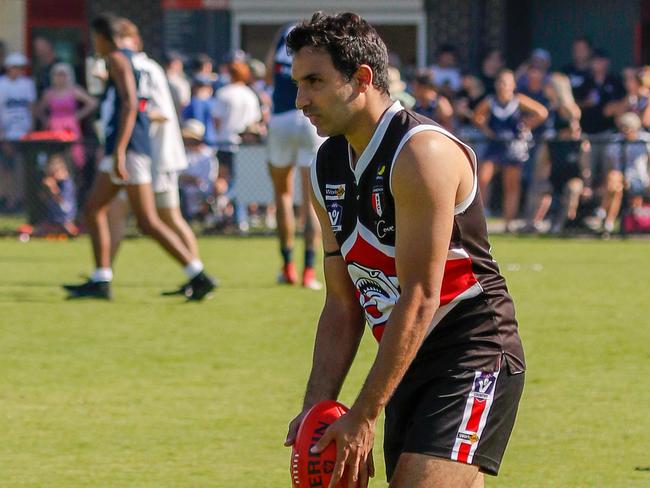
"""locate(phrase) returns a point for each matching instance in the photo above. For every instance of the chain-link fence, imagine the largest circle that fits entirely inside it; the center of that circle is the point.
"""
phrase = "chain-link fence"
(584, 186)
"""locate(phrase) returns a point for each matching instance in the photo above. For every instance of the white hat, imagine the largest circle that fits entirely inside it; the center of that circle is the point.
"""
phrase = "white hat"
(193, 129)
(16, 59)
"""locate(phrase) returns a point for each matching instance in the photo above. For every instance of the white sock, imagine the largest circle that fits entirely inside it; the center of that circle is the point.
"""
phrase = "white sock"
(102, 274)
(193, 268)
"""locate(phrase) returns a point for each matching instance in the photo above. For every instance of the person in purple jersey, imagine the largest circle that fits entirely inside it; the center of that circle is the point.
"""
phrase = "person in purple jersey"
(406, 251)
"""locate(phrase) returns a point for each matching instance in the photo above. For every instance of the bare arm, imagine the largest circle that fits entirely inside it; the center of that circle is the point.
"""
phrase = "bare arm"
(482, 117)
(535, 111)
(424, 215)
(40, 112)
(445, 112)
(340, 329)
(89, 104)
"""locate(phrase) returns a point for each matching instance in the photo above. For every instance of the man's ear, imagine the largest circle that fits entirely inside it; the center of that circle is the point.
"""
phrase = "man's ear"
(364, 77)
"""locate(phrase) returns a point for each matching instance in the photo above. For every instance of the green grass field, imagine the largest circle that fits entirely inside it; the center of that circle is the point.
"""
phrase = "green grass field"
(153, 392)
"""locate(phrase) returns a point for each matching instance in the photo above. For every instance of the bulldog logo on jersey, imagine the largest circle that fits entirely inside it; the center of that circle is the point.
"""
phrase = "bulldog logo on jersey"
(377, 292)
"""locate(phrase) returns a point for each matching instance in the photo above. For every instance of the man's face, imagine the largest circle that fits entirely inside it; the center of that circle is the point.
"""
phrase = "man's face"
(14, 72)
(581, 51)
(325, 96)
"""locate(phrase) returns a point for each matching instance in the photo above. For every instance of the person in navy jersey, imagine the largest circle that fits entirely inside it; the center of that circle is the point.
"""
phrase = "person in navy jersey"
(127, 164)
(430, 103)
(507, 118)
(292, 141)
(406, 251)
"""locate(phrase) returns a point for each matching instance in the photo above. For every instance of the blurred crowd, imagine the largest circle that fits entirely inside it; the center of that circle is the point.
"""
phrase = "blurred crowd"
(560, 150)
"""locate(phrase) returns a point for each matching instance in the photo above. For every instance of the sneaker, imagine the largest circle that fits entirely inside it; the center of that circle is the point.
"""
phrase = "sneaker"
(288, 275)
(200, 286)
(309, 280)
(181, 290)
(90, 289)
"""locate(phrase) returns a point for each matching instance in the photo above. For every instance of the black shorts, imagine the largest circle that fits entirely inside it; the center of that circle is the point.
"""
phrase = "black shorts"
(465, 416)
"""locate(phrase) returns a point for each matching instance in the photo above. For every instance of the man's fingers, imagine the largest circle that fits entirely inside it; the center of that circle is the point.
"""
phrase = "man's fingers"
(363, 474)
(353, 471)
(323, 442)
(291, 434)
(339, 467)
(371, 465)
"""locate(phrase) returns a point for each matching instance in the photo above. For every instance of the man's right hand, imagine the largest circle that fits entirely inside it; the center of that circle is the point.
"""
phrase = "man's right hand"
(119, 165)
(294, 425)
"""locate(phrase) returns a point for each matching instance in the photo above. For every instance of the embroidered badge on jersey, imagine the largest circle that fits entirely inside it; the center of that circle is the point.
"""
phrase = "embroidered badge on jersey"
(377, 195)
(335, 213)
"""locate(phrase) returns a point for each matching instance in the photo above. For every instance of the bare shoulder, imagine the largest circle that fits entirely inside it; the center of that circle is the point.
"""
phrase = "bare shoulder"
(432, 156)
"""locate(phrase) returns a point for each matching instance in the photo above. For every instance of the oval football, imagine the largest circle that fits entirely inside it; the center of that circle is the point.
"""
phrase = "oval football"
(315, 470)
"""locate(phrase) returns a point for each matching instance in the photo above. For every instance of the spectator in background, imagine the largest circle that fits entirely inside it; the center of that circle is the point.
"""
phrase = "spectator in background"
(635, 99)
(601, 88)
(3, 55)
(198, 182)
(539, 60)
(564, 165)
(236, 107)
(44, 59)
(64, 105)
(397, 88)
(627, 158)
(17, 99)
(507, 118)
(179, 86)
(258, 85)
(430, 103)
(200, 107)
(491, 65)
(465, 103)
(446, 73)
(60, 199)
(579, 70)
(202, 66)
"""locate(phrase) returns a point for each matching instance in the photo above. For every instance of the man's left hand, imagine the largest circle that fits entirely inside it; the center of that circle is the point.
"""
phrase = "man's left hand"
(354, 436)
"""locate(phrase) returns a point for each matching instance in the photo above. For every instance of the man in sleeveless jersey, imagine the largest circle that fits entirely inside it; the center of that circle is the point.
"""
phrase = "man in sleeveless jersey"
(292, 140)
(127, 165)
(406, 251)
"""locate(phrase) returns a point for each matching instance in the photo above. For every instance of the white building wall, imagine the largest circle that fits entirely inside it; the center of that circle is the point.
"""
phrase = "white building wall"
(13, 24)
(404, 12)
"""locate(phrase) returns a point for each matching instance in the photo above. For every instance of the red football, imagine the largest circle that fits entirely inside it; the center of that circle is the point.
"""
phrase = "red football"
(315, 470)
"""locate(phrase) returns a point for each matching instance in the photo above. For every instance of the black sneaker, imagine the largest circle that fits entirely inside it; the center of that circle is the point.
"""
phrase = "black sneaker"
(181, 290)
(90, 289)
(200, 286)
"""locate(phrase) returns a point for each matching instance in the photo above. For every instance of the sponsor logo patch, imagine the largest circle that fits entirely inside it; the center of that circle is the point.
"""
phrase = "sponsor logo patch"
(471, 437)
(335, 192)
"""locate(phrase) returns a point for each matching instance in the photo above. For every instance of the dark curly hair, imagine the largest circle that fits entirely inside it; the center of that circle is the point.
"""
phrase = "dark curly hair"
(349, 40)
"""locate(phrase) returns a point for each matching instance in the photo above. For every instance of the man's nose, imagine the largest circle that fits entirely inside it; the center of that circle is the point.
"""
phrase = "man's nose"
(301, 99)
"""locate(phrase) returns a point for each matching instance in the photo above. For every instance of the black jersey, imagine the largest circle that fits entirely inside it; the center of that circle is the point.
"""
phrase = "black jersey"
(475, 321)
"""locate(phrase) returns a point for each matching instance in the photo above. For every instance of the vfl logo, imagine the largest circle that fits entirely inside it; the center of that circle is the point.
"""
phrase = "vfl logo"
(335, 214)
(335, 192)
(483, 386)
